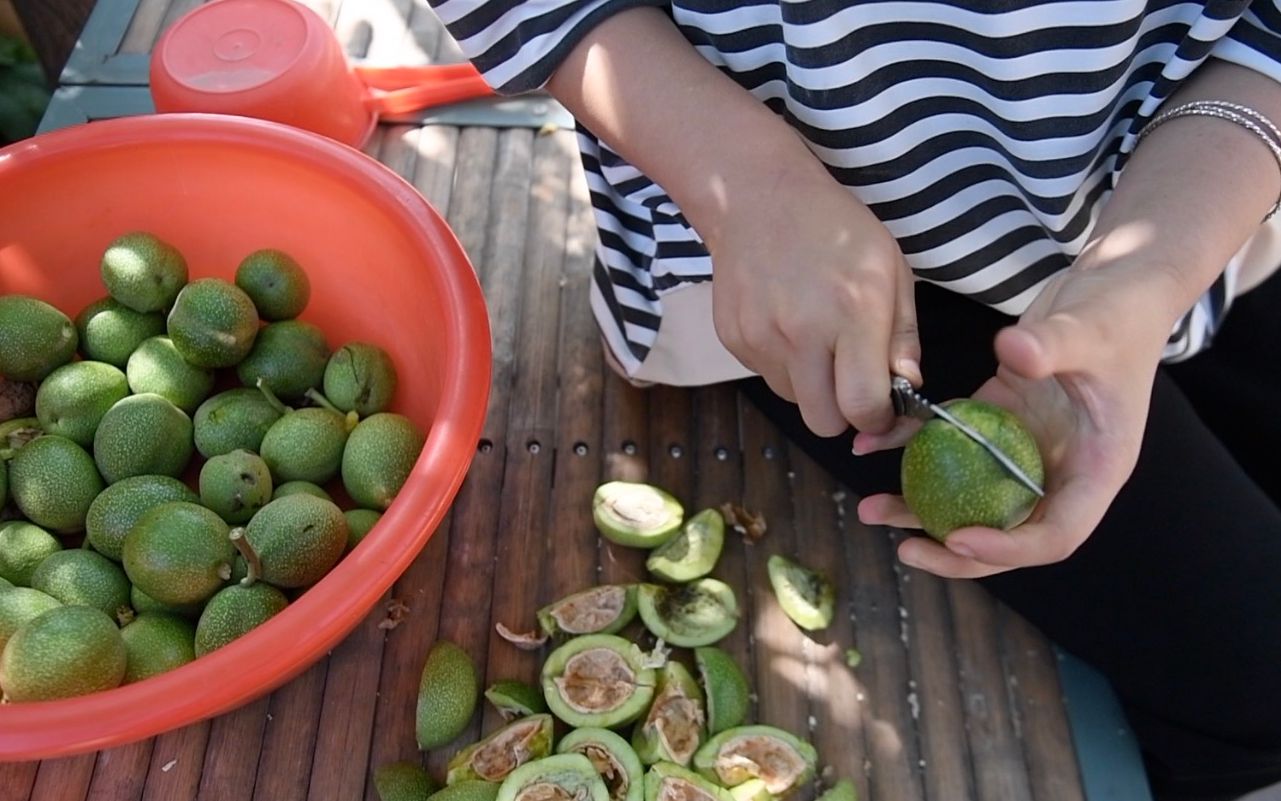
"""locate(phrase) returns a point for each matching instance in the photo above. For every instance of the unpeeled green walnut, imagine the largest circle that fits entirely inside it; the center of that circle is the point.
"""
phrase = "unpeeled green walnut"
(53, 481)
(143, 272)
(288, 356)
(360, 377)
(157, 366)
(275, 282)
(35, 338)
(236, 419)
(447, 694)
(110, 331)
(72, 399)
(378, 458)
(235, 485)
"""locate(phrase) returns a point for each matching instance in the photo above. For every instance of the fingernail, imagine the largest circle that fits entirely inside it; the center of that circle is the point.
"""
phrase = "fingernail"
(960, 549)
(908, 368)
(855, 449)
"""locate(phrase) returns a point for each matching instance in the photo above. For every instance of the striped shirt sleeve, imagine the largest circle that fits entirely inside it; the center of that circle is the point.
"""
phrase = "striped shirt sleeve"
(518, 44)
(1255, 40)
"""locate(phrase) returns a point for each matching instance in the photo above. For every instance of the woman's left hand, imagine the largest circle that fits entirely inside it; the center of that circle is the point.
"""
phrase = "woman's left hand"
(1077, 369)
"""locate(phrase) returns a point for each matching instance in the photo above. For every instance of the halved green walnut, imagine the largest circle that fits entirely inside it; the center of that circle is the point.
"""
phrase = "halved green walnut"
(673, 728)
(597, 680)
(780, 759)
(635, 514)
(598, 610)
(725, 686)
(688, 615)
(516, 699)
(614, 759)
(807, 597)
(564, 777)
(693, 552)
(668, 782)
(500, 753)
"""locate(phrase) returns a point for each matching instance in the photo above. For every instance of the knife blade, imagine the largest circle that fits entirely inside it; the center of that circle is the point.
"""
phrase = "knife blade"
(908, 402)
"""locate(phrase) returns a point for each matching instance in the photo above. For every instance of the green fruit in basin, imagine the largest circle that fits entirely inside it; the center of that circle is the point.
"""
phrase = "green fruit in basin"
(19, 605)
(143, 603)
(950, 481)
(142, 435)
(178, 553)
(143, 272)
(378, 458)
(636, 515)
(275, 282)
(156, 366)
(598, 680)
(613, 758)
(304, 488)
(235, 485)
(237, 419)
(297, 539)
(213, 323)
(23, 546)
(80, 577)
(305, 445)
(289, 357)
(64, 652)
(35, 338)
(72, 399)
(235, 611)
(157, 643)
(359, 523)
(447, 695)
(360, 377)
(53, 480)
(110, 331)
(500, 753)
(118, 507)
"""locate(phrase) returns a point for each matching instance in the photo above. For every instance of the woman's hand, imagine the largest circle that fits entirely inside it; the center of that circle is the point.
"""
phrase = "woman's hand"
(812, 292)
(1077, 369)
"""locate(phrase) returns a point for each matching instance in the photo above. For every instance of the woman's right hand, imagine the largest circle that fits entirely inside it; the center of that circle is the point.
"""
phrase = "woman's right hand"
(811, 292)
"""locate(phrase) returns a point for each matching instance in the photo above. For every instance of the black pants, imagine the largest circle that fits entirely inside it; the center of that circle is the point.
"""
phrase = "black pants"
(1176, 596)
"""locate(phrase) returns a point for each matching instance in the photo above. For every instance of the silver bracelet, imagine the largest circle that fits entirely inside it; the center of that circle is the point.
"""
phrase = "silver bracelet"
(1244, 116)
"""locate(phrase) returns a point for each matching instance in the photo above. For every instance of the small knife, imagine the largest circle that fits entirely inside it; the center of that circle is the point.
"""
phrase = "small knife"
(908, 402)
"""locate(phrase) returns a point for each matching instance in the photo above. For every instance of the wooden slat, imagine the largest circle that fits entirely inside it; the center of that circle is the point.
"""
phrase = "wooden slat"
(289, 737)
(120, 773)
(1039, 707)
(16, 780)
(177, 757)
(231, 756)
(490, 224)
(65, 779)
(834, 689)
(626, 457)
(1000, 773)
(527, 480)
(889, 726)
(145, 26)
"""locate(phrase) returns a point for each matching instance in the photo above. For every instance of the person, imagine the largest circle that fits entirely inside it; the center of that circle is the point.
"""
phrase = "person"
(1053, 206)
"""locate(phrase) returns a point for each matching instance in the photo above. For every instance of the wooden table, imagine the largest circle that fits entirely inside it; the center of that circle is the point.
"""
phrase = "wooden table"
(955, 699)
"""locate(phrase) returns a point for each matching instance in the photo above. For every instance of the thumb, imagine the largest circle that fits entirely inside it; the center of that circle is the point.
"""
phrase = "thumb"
(1035, 349)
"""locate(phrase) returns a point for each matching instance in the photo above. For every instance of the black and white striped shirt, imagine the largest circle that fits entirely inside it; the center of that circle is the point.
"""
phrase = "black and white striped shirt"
(985, 135)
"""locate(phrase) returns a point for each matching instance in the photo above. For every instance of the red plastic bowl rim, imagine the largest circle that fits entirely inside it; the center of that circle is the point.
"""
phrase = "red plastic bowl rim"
(285, 645)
